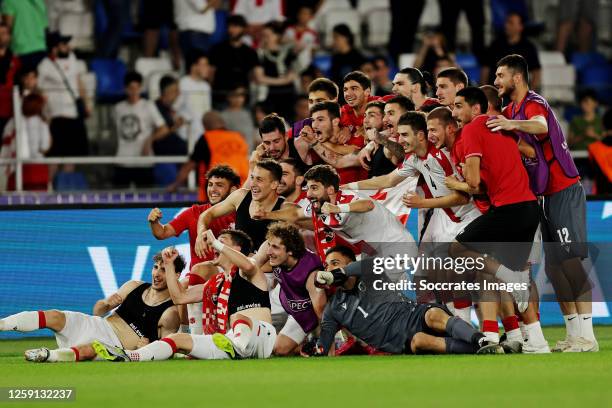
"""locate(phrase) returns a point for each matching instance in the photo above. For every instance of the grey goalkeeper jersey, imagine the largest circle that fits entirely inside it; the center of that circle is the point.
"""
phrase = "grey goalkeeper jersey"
(381, 319)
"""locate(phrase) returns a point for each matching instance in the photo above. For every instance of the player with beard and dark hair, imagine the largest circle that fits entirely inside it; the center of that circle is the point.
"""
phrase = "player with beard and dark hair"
(291, 183)
(414, 85)
(554, 176)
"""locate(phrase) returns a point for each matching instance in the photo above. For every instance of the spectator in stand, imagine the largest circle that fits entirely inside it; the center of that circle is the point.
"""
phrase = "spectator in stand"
(301, 108)
(345, 58)
(304, 39)
(171, 143)
(433, 49)
(196, 22)
(275, 70)
(580, 17)
(237, 116)
(474, 11)
(195, 98)
(443, 63)
(293, 7)
(600, 154)
(381, 83)
(27, 21)
(59, 77)
(155, 15)
(258, 13)
(405, 16)
(307, 76)
(28, 82)
(232, 61)
(217, 146)
(512, 41)
(138, 124)
(586, 127)
(9, 66)
(108, 38)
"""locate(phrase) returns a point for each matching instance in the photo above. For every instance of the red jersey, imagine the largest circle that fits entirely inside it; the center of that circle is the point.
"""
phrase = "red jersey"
(557, 180)
(458, 157)
(188, 219)
(501, 167)
(349, 119)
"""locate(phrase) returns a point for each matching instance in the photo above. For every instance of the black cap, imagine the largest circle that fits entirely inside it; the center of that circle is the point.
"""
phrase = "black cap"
(55, 37)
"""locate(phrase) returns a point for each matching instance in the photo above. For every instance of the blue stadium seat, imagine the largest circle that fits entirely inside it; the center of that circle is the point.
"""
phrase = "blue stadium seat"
(599, 77)
(220, 27)
(323, 63)
(583, 60)
(469, 64)
(70, 182)
(109, 77)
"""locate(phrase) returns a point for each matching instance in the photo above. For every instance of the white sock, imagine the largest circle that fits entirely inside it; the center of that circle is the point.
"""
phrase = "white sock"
(464, 313)
(158, 350)
(586, 326)
(522, 329)
(23, 322)
(572, 325)
(61, 355)
(534, 333)
(508, 275)
(194, 312)
(514, 335)
(492, 337)
(242, 335)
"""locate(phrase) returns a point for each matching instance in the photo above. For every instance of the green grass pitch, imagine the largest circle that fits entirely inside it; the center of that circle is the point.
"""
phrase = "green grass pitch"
(557, 380)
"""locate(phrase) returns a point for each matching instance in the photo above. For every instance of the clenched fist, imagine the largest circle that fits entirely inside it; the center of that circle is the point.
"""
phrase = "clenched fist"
(155, 215)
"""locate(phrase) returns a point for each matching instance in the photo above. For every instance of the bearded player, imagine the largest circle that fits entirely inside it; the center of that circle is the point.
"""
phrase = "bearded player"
(242, 302)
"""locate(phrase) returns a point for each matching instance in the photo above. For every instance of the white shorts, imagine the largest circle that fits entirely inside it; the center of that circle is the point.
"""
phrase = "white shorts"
(442, 229)
(261, 343)
(293, 330)
(83, 329)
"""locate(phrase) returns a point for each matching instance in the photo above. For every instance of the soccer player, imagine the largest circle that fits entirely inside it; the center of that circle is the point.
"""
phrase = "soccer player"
(221, 181)
(448, 82)
(493, 164)
(290, 186)
(319, 90)
(145, 312)
(411, 83)
(293, 266)
(391, 322)
(275, 143)
(361, 222)
(262, 194)
(356, 87)
(242, 303)
(564, 208)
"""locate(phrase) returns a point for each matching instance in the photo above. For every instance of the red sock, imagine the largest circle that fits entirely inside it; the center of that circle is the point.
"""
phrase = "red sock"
(490, 326)
(170, 342)
(76, 353)
(510, 323)
(42, 320)
(462, 303)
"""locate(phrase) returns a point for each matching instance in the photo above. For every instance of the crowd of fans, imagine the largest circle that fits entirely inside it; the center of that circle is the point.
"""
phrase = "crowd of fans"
(239, 60)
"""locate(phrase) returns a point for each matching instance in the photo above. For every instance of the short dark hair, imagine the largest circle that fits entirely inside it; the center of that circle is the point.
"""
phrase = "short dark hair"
(132, 76)
(324, 174)
(515, 13)
(236, 19)
(443, 114)
(426, 108)
(417, 77)
(380, 105)
(179, 262)
(343, 250)
(276, 27)
(492, 97)
(272, 166)
(297, 165)
(474, 96)
(239, 238)
(345, 31)
(332, 108)
(455, 75)
(405, 103)
(272, 122)
(362, 79)
(416, 120)
(517, 64)
(195, 59)
(290, 236)
(165, 82)
(225, 172)
(326, 85)
(587, 93)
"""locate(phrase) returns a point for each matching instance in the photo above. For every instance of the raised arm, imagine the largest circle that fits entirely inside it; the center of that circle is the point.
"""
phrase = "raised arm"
(317, 295)
(103, 306)
(179, 295)
(159, 230)
(290, 214)
(245, 264)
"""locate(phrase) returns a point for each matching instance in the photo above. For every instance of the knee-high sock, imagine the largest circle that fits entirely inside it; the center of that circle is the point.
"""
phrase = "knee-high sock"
(242, 334)
(459, 329)
(63, 354)
(194, 313)
(158, 350)
(23, 322)
(455, 346)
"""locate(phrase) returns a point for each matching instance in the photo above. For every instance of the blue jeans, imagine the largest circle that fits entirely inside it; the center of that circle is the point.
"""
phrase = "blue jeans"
(193, 43)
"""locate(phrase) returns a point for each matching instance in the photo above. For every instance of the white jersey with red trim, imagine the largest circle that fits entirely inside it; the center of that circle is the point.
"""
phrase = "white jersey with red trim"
(434, 168)
(374, 227)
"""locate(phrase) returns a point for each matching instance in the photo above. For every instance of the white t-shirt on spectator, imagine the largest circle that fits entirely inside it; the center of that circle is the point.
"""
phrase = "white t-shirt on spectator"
(50, 81)
(194, 102)
(38, 138)
(308, 39)
(135, 124)
(188, 16)
(269, 10)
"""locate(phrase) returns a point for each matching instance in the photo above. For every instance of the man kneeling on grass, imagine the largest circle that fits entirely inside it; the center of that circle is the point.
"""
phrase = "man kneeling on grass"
(391, 322)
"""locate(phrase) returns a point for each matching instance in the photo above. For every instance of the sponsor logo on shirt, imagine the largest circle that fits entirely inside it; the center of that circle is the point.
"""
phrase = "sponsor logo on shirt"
(299, 305)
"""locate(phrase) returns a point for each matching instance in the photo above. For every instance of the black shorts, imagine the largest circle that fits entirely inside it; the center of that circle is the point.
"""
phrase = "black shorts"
(69, 138)
(156, 14)
(505, 233)
(416, 322)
